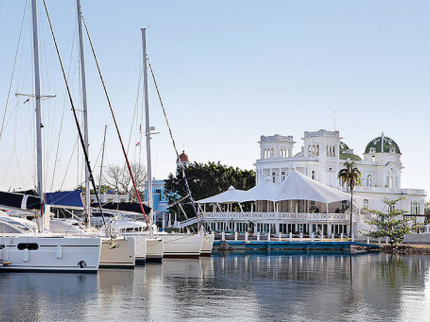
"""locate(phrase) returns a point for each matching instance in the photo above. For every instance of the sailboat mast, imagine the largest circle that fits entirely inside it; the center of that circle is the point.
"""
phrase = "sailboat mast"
(84, 107)
(38, 109)
(148, 128)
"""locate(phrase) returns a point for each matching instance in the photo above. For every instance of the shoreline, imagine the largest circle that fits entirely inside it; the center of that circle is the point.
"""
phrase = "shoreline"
(407, 249)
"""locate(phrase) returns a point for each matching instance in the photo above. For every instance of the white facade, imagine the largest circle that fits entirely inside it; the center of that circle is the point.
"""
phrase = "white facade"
(321, 157)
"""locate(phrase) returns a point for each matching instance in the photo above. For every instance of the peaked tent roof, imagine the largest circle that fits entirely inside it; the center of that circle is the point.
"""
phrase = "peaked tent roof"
(231, 195)
(297, 186)
(264, 191)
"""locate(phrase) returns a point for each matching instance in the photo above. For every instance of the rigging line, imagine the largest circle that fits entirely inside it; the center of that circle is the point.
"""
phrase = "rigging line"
(174, 144)
(70, 161)
(13, 72)
(91, 177)
(116, 124)
(126, 73)
(62, 116)
(135, 112)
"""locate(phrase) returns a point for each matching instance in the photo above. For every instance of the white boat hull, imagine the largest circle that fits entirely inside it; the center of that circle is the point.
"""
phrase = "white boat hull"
(182, 245)
(141, 250)
(207, 244)
(154, 249)
(118, 253)
(50, 254)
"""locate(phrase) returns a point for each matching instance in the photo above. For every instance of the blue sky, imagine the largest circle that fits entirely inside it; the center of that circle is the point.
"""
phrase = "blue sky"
(228, 71)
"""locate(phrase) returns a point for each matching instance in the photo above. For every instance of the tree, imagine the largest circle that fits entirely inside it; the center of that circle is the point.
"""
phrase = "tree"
(118, 177)
(389, 224)
(351, 177)
(206, 180)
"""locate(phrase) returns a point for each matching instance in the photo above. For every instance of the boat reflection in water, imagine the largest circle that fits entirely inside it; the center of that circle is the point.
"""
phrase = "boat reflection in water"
(47, 296)
(235, 287)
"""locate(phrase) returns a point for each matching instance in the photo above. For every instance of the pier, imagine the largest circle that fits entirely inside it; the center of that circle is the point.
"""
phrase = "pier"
(282, 246)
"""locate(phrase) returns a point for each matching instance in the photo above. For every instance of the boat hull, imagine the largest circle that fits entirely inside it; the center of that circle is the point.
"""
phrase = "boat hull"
(118, 253)
(207, 245)
(154, 249)
(141, 250)
(182, 245)
(50, 254)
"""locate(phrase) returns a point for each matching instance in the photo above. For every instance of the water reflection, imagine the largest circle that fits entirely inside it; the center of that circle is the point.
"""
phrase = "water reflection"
(235, 287)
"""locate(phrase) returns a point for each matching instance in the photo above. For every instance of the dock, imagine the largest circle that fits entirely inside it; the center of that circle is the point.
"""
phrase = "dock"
(286, 246)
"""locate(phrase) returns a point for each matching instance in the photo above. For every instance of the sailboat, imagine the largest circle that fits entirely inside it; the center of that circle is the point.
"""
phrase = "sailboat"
(175, 245)
(144, 247)
(41, 250)
(118, 251)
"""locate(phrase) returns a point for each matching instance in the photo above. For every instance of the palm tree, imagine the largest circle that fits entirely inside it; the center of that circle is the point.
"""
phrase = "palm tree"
(351, 177)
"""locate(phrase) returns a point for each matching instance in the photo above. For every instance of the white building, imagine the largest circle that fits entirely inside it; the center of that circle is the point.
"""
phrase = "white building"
(320, 158)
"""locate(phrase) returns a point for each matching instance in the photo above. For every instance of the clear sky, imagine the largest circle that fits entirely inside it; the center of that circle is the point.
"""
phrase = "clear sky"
(229, 72)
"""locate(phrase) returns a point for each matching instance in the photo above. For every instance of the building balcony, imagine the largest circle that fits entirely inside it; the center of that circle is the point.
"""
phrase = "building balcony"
(278, 216)
(385, 190)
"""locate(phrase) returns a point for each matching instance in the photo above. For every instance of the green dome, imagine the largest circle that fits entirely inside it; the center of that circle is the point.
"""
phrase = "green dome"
(382, 144)
(344, 153)
(343, 147)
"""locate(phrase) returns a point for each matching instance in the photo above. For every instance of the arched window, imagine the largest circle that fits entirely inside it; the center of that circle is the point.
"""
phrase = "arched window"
(369, 180)
(366, 203)
(318, 150)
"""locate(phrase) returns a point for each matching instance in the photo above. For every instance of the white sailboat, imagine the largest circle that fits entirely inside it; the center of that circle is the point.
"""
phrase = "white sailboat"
(41, 250)
(175, 245)
(118, 252)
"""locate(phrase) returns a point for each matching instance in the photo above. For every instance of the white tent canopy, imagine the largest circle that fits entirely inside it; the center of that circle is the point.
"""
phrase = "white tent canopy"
(296, 186)
(229, 196)
(300, 187)
(264, 191)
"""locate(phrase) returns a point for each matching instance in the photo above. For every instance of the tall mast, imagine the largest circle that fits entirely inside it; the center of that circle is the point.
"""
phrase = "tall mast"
(38, 111)
(148, 128)
(84, 107)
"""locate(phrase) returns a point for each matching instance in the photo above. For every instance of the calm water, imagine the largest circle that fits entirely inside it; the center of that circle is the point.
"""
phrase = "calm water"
(237, 287)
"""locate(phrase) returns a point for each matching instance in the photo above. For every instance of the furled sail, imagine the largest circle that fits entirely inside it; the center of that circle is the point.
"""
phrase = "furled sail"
(123, 206)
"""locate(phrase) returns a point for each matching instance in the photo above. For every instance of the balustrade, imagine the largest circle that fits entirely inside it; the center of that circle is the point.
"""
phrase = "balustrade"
(275, 216)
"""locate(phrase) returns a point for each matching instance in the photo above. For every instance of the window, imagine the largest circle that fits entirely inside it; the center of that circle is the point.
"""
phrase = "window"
(415, 208)
(313, 175)
(282, 175)
(369, 180)
(373, 158)
(274, 177)
(366, 203)
(29, 246)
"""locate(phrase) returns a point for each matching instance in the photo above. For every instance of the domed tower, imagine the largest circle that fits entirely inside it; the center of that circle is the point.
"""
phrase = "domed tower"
(385, 153)
(183, 158)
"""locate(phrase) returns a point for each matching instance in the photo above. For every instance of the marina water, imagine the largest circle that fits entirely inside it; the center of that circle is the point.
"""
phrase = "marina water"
(233, 287)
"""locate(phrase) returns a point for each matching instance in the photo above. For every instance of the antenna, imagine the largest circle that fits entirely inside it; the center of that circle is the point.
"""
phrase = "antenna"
(334, 120)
